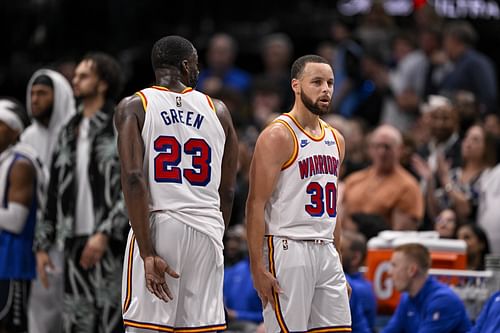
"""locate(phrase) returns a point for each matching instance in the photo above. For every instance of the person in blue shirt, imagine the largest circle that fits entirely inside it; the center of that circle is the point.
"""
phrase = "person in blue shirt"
(359, 321)
(353, 255)
(426, 305)
(489, 318)
(18, 206)
(242, 302)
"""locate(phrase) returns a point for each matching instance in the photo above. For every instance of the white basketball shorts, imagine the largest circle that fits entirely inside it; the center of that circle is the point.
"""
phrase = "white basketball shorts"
(314, 297)
(198, 302)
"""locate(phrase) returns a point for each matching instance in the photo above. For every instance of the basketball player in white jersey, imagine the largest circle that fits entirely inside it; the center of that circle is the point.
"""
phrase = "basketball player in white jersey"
(178, 152)
(292, 224)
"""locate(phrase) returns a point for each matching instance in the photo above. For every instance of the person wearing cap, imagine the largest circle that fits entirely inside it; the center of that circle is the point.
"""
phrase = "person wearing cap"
(50, 104)
(19, 177)
(426, 305)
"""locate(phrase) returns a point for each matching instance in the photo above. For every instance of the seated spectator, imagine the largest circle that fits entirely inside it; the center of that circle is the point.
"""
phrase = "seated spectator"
(446, 224)
(353, 251)
(478, 245)
(359, 321)
(385, 188)
(489, 318)
(243, 305)
(426, 305)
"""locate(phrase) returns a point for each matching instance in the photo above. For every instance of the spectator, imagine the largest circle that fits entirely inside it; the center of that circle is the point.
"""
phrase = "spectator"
(353, 251)
(385, 188)
(488, 213)
(472, 70)
(426, 305)
(459, 187)
(478, 245)
(50, 103)
(446, 224)
(489, 318)
(243, 305)
(359, 320)
(220, 70)
(276, 53)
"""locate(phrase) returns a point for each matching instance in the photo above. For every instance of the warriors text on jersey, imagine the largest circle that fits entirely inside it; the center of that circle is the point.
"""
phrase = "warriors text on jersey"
(304, 202)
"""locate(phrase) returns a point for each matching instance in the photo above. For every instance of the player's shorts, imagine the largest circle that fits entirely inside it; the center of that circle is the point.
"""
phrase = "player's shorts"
(198, 302)
(13, 305)
(314, 291)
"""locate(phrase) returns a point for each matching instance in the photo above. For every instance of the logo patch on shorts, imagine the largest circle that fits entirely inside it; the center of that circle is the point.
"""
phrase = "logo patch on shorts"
(285, 244)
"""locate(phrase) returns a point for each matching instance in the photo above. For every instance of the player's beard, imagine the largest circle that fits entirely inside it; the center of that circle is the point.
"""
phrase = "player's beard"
(314, 107)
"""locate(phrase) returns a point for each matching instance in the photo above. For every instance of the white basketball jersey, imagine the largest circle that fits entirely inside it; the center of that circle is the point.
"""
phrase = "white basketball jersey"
(184, 145)
(304, 202)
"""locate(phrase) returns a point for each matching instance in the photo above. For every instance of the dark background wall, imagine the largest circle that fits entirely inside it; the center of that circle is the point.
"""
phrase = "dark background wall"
(39, 33)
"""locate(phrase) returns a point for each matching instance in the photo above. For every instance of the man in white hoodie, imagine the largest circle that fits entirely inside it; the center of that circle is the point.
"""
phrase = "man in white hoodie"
(50, 103)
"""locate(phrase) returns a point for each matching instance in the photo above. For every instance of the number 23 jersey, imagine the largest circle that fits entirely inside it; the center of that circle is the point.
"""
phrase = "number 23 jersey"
(184, 145)
(304, 202)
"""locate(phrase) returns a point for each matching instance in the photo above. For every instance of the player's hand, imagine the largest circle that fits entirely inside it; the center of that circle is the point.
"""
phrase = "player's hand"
(94, 250)
(265, 284)
(43, 263)
(155, 268)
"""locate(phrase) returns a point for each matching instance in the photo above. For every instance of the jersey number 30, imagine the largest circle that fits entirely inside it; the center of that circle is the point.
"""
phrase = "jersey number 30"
(322, 199)
(170, 155)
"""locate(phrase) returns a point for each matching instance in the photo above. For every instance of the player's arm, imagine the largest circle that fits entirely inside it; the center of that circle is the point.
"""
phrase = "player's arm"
(229, 162)
(129, 119)
(22, 179)
(337, 233)
(273, 148)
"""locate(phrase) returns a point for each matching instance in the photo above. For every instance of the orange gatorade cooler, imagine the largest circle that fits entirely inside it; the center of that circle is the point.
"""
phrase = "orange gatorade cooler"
(445, 253)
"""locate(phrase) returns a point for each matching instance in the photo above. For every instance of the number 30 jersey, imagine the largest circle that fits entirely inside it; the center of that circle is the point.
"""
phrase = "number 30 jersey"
(183, 149)
(304, 202)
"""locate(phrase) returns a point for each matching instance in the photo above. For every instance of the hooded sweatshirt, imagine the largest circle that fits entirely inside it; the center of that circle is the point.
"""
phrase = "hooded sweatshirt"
(42, 138)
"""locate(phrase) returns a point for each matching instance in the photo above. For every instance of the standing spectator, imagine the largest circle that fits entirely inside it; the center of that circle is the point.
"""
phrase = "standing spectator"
(19, 201)
(426, 305)
(50, 103)
(221, 70)
(459, 187)
(472, 71)
(385, 188)
(478, 245)
(84, 215)
(488, 213)
(276, 53)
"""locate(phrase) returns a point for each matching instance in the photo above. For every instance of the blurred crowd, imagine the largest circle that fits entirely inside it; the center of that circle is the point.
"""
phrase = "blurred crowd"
(418, 107)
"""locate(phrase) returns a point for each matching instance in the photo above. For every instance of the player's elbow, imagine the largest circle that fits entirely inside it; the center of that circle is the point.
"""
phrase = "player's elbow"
(133, 179)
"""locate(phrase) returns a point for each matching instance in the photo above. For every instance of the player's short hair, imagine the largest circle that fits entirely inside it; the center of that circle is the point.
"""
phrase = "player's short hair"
(170, 51)
(108, 70)
(299, 64)
(417, 253)
(15, 106)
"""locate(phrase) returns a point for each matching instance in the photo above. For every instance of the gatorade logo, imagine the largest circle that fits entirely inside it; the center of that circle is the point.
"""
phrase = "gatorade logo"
(382, 283)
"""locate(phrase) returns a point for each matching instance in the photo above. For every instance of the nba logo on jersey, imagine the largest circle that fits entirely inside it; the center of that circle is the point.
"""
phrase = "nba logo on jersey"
(178, 101)
(285, 244)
